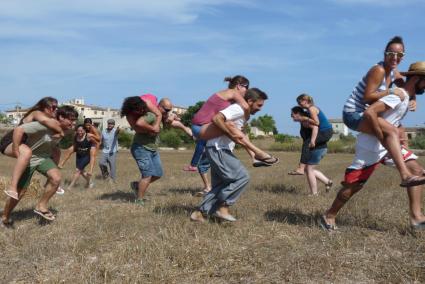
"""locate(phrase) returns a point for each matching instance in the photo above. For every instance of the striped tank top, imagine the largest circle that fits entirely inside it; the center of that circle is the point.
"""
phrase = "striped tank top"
(355, 101)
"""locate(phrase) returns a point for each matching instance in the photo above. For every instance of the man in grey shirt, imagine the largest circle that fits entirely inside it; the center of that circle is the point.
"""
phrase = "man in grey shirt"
(109, 144)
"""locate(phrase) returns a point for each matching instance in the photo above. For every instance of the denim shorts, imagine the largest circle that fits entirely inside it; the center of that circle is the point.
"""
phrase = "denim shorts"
(316, 156)
(148, 161)
(352, 119)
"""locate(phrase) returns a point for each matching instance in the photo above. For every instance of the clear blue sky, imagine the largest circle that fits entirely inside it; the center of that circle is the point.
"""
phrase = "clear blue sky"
(104, 50)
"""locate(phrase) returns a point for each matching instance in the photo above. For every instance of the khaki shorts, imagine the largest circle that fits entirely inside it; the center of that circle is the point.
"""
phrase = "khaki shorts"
(42, 168)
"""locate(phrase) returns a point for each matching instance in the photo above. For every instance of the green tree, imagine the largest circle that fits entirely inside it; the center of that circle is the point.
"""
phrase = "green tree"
(4, 119)
(186, 118)
(265, 123)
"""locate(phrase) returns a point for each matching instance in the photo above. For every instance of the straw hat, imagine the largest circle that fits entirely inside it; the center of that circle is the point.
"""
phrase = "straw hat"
(417, 68)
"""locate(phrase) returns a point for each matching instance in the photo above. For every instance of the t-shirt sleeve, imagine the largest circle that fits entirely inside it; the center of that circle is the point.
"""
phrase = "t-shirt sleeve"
(391, 100)
(233, 112)
(33, 127)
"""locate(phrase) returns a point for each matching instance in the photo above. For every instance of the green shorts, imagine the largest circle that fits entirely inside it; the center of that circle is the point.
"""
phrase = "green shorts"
(42, 168)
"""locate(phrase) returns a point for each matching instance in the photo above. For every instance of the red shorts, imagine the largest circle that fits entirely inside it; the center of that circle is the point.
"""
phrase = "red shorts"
(361, 175)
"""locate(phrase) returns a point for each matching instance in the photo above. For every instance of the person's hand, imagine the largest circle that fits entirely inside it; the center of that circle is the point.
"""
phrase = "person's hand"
(399, 92)
(237, 137)
(156, 129)
(311, 144)
(412, 105)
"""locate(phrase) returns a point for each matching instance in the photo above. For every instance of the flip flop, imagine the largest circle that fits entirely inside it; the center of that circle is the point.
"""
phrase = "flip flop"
(269, 160)
(257, 164)
(12, 194)
(295, 173)
(413, 181)
(45, 214)
(419, 226)
(325, 225)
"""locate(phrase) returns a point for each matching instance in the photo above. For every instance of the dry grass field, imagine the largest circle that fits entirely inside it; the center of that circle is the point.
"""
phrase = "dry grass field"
(101, 236)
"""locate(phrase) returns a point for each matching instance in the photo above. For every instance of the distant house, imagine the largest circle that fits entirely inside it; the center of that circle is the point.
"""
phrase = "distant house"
(412, 132)
(15, 115)
(255, 131)
(99, 115)
(339, 128)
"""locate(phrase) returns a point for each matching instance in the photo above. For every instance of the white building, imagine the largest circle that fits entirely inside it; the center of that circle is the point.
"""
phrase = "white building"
(15, 115)
(255, 131)
(339, 128)
(99, 115)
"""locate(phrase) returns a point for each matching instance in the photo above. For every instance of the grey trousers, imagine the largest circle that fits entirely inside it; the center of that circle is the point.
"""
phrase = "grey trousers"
(108, 159)
(228, 180)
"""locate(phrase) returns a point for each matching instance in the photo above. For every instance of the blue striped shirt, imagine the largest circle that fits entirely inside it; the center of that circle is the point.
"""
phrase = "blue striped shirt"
(355, 101)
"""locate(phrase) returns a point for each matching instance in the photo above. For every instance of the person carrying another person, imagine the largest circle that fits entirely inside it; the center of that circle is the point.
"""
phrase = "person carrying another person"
(374, 86)
(43, 143)
(82, 146)
(311, 157)
(44, 111)
(370, 152)
(228, 176)
(144, 146)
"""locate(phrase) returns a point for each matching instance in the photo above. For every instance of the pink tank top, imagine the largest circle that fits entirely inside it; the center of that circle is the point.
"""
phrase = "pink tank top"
(151, 98)
(209, 109)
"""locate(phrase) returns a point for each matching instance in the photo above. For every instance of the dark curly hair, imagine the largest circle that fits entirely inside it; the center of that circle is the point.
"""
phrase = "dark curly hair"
(133, 105)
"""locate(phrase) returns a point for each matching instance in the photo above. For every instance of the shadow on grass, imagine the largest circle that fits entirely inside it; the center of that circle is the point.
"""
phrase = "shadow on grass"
(118, 195)
(277, 188)
(293, 217)
(184, 190)
(26, 214)
(175, 209)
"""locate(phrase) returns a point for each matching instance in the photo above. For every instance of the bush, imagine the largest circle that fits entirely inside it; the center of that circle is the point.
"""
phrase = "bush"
(287, 146)
(125, 138)
(339, 146)
(283, 138)
(418, 142)
(170, 138)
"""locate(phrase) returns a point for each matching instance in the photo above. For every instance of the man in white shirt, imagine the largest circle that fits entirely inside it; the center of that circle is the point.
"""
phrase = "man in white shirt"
(228, 175)
(109, 144)
(370, 153)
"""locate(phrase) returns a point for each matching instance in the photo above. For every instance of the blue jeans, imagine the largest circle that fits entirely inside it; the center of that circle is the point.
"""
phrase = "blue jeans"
(148, 161)
(352, 119)
(198, 156)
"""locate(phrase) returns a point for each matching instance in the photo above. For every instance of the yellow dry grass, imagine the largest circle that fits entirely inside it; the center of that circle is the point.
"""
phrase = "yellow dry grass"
(101, 236)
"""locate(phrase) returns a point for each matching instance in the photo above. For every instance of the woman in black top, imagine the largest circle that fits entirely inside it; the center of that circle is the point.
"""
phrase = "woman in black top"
(83, 143)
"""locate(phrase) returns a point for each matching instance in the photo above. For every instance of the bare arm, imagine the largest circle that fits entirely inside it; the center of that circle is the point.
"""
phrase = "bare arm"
(220, 121)
(373, 80)
(314, 111)
(242, 102)
(154, 109)
(140, 125)
(314, 132)
(47, 121)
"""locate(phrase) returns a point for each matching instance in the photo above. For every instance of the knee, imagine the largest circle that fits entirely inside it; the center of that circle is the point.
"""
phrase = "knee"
(55, 178)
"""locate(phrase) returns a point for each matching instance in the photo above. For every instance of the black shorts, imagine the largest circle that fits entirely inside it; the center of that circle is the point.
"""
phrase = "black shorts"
(6, 140)
(82, 161)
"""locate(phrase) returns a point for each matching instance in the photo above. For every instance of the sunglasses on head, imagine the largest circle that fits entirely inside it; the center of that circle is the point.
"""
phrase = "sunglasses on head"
(394, 54)
(246, 86)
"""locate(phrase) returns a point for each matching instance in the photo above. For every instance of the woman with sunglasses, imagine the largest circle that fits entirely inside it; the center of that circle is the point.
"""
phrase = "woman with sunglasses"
(44, 111)
(375, 85)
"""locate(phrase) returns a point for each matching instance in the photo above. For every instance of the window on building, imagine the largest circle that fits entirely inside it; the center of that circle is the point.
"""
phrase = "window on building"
(103, 112)
(82, 109)
(95, 112)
